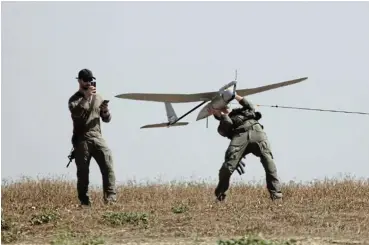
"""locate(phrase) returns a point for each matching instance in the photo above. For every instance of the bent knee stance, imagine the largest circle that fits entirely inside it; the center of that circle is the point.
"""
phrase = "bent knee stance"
(232, 157)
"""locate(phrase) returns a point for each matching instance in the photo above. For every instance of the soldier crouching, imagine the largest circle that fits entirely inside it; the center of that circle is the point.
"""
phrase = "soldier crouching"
(247, 136)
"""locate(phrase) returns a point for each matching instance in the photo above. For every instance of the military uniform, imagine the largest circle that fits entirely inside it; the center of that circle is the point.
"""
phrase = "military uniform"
(241, 126)
(88, 142)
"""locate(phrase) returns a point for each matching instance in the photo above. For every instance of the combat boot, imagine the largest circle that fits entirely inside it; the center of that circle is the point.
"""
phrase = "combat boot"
(221, 197)
(223, 184)
(110, 199)
(276, 196)
(85, 200)
(87, 203)
(219, 194)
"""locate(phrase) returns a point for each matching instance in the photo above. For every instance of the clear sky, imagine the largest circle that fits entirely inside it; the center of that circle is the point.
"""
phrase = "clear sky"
(185, 47)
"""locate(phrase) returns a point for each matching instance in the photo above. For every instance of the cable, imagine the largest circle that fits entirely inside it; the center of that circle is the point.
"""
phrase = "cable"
(315, 109)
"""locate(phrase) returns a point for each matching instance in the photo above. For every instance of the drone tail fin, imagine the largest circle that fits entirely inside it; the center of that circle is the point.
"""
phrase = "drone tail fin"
(171, 114)
(171, 117)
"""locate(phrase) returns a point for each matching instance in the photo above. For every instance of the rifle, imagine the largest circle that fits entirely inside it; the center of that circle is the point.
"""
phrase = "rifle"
(71, 156)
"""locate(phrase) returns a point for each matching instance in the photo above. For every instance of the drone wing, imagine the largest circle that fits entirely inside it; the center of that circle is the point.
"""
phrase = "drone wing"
(172, 98)
(249, 91)
(207, 96)
(164, 125)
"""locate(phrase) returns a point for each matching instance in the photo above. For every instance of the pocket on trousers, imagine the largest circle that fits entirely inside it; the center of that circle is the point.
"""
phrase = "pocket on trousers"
(265, 148)
(239, 139)
(232, 152)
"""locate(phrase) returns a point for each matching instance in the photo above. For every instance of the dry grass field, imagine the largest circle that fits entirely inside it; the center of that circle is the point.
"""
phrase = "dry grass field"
(46, 212)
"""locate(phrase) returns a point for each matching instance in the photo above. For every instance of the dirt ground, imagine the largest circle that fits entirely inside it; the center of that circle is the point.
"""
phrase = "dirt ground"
(46, 212)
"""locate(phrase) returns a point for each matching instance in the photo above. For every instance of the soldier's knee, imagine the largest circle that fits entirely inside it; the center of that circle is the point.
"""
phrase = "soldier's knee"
(229, 167)
(105, 157)
(269, 163)
(267, 157)
(108, 154)
(82, 177)
(108, 158)
(265, 149)
(231, 152)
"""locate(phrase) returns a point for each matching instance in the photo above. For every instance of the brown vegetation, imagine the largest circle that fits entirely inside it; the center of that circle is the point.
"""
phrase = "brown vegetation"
(47, 211)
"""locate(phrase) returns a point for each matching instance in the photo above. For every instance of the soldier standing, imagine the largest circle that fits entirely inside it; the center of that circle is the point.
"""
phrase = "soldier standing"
(241, 126)
(86, 107)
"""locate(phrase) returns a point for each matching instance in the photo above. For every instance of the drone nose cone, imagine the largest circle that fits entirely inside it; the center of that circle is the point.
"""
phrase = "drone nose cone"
(204, 113)
(227, 95)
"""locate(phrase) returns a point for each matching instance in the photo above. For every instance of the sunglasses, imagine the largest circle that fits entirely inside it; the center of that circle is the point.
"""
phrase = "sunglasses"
(86, 80)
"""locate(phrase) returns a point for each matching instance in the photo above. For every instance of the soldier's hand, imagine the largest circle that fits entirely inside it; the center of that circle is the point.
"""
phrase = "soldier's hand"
(225, 110)
(90, 91)
(238, 97)
(104, 108)
(214, 112)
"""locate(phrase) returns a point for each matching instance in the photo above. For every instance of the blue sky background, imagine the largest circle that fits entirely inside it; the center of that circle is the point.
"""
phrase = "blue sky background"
(186, 47)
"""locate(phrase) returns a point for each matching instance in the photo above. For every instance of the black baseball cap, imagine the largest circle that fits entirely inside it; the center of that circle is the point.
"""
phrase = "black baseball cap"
(85, 74)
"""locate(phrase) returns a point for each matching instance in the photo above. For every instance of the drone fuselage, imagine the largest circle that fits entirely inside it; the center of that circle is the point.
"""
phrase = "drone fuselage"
(220, 102)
